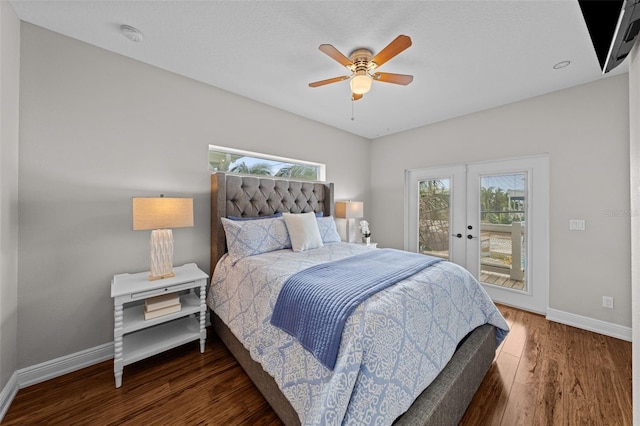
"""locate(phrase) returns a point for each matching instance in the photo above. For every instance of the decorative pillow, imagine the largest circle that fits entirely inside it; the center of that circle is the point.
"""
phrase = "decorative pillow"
(255, 217)
(303, 231)
(328, 230)
(251, 237)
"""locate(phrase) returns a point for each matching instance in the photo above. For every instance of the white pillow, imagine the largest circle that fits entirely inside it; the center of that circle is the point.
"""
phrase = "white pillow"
(303, 231)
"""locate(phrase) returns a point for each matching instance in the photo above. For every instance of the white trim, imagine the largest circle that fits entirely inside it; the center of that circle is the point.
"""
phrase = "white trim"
(590, 324)
(65, 364)
(8, 394)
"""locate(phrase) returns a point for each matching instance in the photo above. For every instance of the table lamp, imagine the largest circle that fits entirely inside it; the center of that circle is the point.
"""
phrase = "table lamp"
(349, 210)
(160, 214)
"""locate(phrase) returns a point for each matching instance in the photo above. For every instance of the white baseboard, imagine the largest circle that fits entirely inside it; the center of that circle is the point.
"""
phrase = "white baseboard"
(8, 393)
(57, 367)
(590, 324)
(50, 369)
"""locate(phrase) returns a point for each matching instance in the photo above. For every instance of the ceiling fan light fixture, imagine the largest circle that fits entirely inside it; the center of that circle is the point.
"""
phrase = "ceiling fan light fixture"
(360, 83)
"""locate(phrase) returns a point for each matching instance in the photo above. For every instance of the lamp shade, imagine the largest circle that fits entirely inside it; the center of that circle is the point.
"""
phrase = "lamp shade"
(349, 209)
(162, 213)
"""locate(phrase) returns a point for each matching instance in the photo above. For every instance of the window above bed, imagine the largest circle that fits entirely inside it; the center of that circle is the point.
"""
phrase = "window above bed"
(225, 159)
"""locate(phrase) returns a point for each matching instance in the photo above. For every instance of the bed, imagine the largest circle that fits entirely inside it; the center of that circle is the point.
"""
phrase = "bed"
(444, 400)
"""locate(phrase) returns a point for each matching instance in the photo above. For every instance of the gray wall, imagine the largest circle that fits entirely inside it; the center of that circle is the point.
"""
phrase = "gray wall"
(585, 131)
(9, 107)
(97, 129)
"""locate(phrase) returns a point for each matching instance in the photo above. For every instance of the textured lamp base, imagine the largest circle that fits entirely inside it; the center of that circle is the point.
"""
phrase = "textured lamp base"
(351, 230)
(161, 254)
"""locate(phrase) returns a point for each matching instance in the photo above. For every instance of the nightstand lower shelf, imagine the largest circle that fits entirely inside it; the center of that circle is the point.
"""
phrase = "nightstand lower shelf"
(159, 338)
(133, 317)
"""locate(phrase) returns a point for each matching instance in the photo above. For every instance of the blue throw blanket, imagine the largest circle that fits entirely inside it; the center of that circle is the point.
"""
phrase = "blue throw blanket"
(314, 304)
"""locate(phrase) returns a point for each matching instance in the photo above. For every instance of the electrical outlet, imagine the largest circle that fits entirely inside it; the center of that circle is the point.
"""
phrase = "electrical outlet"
(607, 302)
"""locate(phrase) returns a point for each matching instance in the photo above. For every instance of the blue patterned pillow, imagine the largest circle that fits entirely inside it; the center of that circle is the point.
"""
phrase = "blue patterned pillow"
(248, 238)
(328, 230)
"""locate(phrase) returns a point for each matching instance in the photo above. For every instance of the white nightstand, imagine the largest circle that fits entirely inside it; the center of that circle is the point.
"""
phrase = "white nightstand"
(374, 245)
(136, 338)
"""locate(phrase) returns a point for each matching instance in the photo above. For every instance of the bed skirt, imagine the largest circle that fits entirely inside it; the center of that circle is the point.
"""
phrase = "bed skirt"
(444, 402)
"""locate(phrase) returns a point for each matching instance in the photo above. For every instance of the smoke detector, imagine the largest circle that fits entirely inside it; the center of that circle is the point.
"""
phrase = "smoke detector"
(131, 33)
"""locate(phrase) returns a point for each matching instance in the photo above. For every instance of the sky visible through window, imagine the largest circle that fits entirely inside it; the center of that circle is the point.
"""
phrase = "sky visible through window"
(252, 161)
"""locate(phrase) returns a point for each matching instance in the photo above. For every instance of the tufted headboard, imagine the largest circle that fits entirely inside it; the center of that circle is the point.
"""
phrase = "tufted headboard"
(252, 196)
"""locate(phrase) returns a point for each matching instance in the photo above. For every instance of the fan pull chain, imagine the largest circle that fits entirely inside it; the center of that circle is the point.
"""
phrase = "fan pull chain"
(352, 117)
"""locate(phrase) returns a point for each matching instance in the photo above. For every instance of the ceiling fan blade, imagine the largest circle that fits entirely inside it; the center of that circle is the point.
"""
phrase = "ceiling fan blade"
(355, 96)
(392, 49)
(387, 77)
(335, 54)
(329, 81)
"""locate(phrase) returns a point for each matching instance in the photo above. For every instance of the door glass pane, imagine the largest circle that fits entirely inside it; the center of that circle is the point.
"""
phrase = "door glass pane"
(503, 256)
(433, 217)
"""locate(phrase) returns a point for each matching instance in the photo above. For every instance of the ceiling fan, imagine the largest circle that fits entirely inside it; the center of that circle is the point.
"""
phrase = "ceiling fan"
(362, 63)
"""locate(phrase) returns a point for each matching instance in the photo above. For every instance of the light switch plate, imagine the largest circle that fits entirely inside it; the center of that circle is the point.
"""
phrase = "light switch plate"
(576, 224)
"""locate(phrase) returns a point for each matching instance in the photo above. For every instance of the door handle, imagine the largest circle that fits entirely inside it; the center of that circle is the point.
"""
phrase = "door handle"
(458, 235)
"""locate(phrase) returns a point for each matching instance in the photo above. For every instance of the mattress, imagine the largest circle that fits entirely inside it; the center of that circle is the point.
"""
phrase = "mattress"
(393, 345)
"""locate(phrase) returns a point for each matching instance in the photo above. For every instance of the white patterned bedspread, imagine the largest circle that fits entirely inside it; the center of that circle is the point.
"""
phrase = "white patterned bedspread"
(393, 345)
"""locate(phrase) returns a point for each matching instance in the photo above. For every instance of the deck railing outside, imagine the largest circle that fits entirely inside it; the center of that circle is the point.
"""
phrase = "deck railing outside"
(501, 249)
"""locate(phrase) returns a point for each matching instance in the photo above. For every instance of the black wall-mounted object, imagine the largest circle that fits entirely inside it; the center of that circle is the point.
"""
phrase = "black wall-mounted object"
(613, 26)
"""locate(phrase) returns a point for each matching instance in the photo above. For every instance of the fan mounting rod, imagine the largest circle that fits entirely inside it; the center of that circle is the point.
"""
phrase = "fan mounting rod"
(361, 59)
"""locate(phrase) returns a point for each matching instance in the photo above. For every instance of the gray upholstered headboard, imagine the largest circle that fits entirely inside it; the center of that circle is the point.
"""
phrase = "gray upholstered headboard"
(252, 196)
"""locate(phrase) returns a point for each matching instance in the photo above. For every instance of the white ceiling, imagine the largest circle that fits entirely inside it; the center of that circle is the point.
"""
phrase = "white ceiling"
(466, 55)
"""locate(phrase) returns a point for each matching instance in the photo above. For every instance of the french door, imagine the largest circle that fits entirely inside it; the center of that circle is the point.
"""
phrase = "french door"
(489, 217)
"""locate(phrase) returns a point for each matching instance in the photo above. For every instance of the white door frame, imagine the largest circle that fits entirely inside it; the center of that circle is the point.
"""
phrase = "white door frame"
(462, 213)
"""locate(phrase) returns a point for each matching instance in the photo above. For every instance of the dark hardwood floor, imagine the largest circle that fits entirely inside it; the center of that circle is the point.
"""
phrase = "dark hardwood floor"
(547, 373)
(544, 373)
